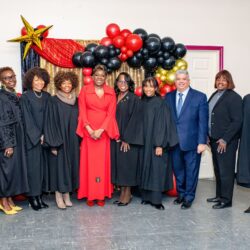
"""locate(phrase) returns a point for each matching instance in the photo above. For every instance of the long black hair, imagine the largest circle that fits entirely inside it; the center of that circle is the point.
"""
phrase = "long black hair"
(153, 82)
(128, 79)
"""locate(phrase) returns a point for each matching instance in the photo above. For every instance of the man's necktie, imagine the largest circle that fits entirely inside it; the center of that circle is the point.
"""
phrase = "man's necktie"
(179, 104)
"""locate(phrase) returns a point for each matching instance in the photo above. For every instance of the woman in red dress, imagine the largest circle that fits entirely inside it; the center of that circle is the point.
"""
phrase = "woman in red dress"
(96, 125)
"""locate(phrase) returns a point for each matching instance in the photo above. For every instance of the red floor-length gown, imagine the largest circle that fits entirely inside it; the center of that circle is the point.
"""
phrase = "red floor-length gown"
(95, 170)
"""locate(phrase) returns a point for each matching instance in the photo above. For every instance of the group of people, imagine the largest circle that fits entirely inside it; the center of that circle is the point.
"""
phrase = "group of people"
(110, 137)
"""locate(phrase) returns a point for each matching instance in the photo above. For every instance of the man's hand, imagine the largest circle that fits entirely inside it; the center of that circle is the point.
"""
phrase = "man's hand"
(222, 146)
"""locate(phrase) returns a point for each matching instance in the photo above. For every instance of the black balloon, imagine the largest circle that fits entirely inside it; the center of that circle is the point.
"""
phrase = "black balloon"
(76, 59)
(101, 52)
(134, 62)
(87, 59)
(142, 33)
(150, 64)
(166, 55)
(139, 55)
(153, 44)
(104, 61)
(154, 35)
(159, 53)
(114, 63)
(117, 51)
(168, 63)
(145, 53)
(111, 46)
(91, 47)
(112, 52)
(167, 44)
(160, 59)
(180, 50)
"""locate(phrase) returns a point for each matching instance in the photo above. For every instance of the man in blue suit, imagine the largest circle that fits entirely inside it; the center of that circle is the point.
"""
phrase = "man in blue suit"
(190, 111)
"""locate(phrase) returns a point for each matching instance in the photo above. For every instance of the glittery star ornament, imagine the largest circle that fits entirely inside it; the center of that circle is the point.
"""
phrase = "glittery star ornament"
(33, 36)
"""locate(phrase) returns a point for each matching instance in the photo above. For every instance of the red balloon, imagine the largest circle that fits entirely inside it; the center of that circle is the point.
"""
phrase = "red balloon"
(134, 42)
(173, 87)
(159, 81)
(112, 30)
(123, 57)
(87, 71)
(123, 49)
(125, 33)
(173, 192)
(106, 41)
(87, 80)
(129, 53)
(23, 31)
(118, 41)
(138, 91)
(41, 26)
(165, 89)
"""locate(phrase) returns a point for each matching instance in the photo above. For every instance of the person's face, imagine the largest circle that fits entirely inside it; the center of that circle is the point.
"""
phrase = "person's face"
(182, 82)
(149, 89)
(66, 86)
(8, 78)
(221, 83)
(122, 84)
(37, 84)
(99, 78)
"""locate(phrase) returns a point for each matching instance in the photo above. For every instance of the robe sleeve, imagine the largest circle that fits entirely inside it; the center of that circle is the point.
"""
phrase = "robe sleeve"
(7, 126)
(165, 133)
(52, 130)
(133, 133)
(82, 117)
(31, 129)
(109, 124)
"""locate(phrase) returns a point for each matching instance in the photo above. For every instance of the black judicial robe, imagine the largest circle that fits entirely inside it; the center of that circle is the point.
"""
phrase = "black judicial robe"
(33, 109)
(243, 166)
(159, 131)
(13, 170)
(60, 133)
(129, 118)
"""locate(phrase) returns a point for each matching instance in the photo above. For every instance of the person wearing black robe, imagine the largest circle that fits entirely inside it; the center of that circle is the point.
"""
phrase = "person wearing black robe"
(125, 151)
(243, 166)
(61, 120)
(13, 165)
(33, 103)
(159, 135)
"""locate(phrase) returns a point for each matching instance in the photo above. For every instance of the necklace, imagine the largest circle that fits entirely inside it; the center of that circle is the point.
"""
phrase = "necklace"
(38, 96)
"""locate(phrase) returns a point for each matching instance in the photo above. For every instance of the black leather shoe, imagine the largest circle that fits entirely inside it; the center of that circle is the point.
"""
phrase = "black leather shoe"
(186, 204)
(247, 211)
(116, 202)
(214, 199)
(40, 202)
(158, 206)
(145, 202)
(33, 203)
(221, 205)
(178, 200)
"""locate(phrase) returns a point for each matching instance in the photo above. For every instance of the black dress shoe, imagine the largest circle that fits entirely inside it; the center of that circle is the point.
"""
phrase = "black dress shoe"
(214, 199)
(40, 202)
(247, 211)
(221, 205)
(145, 202)
(116, 202)
(186, 204)
(178, 200)
(158, 206)
(33, 203)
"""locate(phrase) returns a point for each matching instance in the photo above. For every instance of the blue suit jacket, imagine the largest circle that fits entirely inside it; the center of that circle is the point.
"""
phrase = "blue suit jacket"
(192, 123)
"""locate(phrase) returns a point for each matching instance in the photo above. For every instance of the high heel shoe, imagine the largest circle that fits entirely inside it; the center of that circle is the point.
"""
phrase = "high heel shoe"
(8, 212)
(33, 203)
(16, 208)
(59, 200)
(121, 204)
(100, 203)
(67, 201)
(40, 202)
(90, 203)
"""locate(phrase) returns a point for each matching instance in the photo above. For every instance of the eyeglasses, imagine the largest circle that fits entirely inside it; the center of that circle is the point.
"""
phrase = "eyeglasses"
(121, 81)
(8, 78)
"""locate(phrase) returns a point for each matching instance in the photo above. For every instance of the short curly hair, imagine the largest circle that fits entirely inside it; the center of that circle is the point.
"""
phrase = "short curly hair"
(36, 71)
(62, 76)
(3, 69)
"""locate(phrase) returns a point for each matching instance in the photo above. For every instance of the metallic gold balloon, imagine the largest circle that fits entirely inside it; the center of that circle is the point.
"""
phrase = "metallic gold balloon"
(163, 72)
(181, 64)
(175, 68)
(158, 75)
(170, 77)
(163, 78)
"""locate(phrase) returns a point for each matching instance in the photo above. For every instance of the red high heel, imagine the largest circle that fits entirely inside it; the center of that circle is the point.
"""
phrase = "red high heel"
(100, 203)
(90, 203)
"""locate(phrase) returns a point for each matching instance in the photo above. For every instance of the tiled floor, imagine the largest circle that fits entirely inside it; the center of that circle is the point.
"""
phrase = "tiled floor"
(133, 227)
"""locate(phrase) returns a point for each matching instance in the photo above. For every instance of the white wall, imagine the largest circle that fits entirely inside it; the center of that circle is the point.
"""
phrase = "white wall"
(196, 22)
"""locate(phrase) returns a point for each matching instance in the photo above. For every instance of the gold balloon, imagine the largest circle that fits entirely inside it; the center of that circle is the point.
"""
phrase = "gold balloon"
(175, 68)
(158, 75)
(181, 64)
(163, 72)
(163, 78)
(170, 77)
